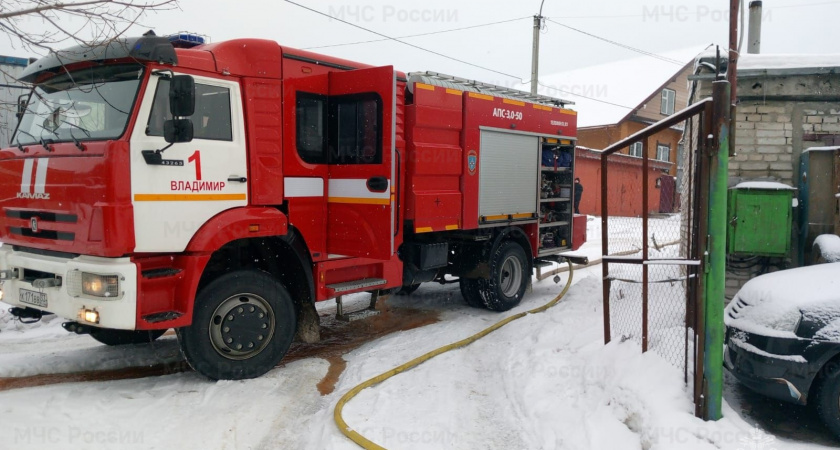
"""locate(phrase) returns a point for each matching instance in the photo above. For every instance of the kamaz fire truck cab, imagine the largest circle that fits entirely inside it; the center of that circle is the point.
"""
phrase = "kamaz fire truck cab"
(221, 189)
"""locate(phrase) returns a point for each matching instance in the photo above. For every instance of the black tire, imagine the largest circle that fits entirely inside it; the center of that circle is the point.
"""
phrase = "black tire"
(470, 290)
(112, 337)
(509, 277)
(226, 340)
(408, 290)
(827, 396)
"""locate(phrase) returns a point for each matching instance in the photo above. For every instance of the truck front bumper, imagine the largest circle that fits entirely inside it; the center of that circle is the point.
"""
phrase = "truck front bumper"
(69, 300)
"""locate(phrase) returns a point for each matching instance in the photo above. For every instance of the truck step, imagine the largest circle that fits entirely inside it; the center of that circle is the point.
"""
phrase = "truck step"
(370, 311)
(357, 315)
(356, 284)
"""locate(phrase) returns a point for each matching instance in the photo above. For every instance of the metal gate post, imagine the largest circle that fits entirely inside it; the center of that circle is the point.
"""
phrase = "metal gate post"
(605, 250)
(645, 207)
(715, 273)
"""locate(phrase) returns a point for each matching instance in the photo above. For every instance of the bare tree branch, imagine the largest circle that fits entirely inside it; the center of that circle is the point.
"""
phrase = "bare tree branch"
(62, 23)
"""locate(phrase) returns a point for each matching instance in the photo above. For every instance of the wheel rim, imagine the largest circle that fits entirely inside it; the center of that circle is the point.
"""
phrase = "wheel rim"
(242, 326)
(510, 277)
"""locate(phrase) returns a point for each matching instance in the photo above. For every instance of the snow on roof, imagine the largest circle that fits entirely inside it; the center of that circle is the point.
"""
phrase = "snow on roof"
(625, 82)
(770, 304)
(768, 185)
(787, 61)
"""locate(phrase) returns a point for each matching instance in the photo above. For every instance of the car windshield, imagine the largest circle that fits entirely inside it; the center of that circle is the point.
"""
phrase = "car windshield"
(91, 103)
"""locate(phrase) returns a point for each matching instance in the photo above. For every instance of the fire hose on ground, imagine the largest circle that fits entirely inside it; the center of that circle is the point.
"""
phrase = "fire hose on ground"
(370, 445)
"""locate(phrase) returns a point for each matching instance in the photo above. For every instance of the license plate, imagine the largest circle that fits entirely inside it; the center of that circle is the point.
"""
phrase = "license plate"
(33, 298)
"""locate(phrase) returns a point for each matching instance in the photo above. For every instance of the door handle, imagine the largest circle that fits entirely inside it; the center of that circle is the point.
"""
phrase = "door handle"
(377, 184)
(237, 179)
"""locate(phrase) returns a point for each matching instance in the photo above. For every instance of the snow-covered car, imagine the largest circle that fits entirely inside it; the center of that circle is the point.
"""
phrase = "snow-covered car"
(783, 337)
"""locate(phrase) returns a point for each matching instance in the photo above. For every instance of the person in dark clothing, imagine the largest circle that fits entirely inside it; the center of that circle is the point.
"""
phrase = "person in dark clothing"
(578, 194)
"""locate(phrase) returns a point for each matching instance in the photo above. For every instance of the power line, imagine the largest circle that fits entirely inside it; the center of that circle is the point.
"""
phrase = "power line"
(421, 34)
(403, 42)
(625, 46)
(694, 13)
(449, 57)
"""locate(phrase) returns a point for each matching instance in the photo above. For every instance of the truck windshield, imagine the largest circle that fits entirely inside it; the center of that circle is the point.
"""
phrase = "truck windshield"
(91, 103)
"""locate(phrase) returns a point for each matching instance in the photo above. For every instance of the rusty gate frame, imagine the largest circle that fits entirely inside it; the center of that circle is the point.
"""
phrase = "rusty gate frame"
(697, 168)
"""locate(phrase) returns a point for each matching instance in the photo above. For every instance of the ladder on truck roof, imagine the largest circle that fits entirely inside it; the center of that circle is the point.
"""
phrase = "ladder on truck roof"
(463, 84)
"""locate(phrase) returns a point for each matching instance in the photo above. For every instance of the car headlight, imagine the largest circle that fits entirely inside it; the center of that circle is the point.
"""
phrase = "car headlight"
(94, 285)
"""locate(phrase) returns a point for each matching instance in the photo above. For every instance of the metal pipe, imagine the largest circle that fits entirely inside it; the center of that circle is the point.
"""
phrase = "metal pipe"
(701, 220)
(645, 180)
(754, 36)
(605, 267)
(732, 68)
(716, 268)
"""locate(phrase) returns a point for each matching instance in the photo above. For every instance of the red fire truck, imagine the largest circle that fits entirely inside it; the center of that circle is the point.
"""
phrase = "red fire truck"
(221, 189)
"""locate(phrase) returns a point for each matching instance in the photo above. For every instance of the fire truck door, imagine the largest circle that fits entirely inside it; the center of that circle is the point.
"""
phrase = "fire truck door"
(361, 191)
(191, 182)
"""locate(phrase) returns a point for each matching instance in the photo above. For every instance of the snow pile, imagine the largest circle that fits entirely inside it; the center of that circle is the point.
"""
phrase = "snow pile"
(829, 247)
(770, 304)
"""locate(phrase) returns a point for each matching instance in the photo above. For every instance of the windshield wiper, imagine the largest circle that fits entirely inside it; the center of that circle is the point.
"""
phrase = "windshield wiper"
(78, 143)
(19, 145)
(46, 142)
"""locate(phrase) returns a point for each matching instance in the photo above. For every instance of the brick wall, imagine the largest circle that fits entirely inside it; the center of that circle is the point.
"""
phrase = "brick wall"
(777, 118)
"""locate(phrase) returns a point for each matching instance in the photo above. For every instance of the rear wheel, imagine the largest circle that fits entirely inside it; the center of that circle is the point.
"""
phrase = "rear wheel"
(509, 277)
(112, 337)
(243, 325)
(471, 291)
(828, 396)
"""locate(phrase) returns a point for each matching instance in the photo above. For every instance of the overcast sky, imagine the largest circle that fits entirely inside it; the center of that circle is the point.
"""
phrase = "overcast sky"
(807, 26)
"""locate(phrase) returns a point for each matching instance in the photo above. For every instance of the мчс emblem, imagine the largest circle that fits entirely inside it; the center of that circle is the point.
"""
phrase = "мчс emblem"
(472, 161)
(33, 224)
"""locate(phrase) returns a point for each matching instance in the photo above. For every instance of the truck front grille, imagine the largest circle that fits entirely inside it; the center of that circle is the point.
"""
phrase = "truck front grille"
(37, 224)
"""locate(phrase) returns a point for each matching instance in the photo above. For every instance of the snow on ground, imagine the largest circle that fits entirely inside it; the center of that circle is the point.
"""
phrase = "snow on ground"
(543, 382)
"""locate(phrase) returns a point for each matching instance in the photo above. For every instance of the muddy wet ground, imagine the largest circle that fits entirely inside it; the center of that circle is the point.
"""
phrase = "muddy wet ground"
(337, 339)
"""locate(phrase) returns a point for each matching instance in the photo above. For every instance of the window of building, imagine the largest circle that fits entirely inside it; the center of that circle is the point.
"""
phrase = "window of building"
(663, 152)
(669, 97)
(211, 120)
(311, 111)
(636, 149)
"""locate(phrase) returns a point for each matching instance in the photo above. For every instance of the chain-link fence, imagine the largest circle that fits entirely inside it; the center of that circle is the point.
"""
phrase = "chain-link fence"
(650, 260)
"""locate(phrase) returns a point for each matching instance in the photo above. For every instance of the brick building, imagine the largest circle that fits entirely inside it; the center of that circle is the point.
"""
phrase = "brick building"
(786, 104)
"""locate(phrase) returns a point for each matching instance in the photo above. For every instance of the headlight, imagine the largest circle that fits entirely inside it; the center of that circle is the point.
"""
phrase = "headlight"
(93, 285)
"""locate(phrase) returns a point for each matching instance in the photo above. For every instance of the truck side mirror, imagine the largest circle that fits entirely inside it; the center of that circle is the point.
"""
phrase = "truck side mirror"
(182, 96)
(21, 105)
(178, 130)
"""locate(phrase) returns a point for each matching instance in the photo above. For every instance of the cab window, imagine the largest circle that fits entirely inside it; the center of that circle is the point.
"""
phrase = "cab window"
(212, 117)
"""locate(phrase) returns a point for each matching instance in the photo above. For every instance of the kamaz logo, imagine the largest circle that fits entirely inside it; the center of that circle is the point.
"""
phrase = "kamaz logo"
(34, 190)
(34, 195)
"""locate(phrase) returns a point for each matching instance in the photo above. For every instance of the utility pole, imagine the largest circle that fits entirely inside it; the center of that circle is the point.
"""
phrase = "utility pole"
(535, 50)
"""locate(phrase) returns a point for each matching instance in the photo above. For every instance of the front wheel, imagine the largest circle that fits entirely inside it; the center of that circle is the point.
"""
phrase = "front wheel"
(243, 325)
(828, 396)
